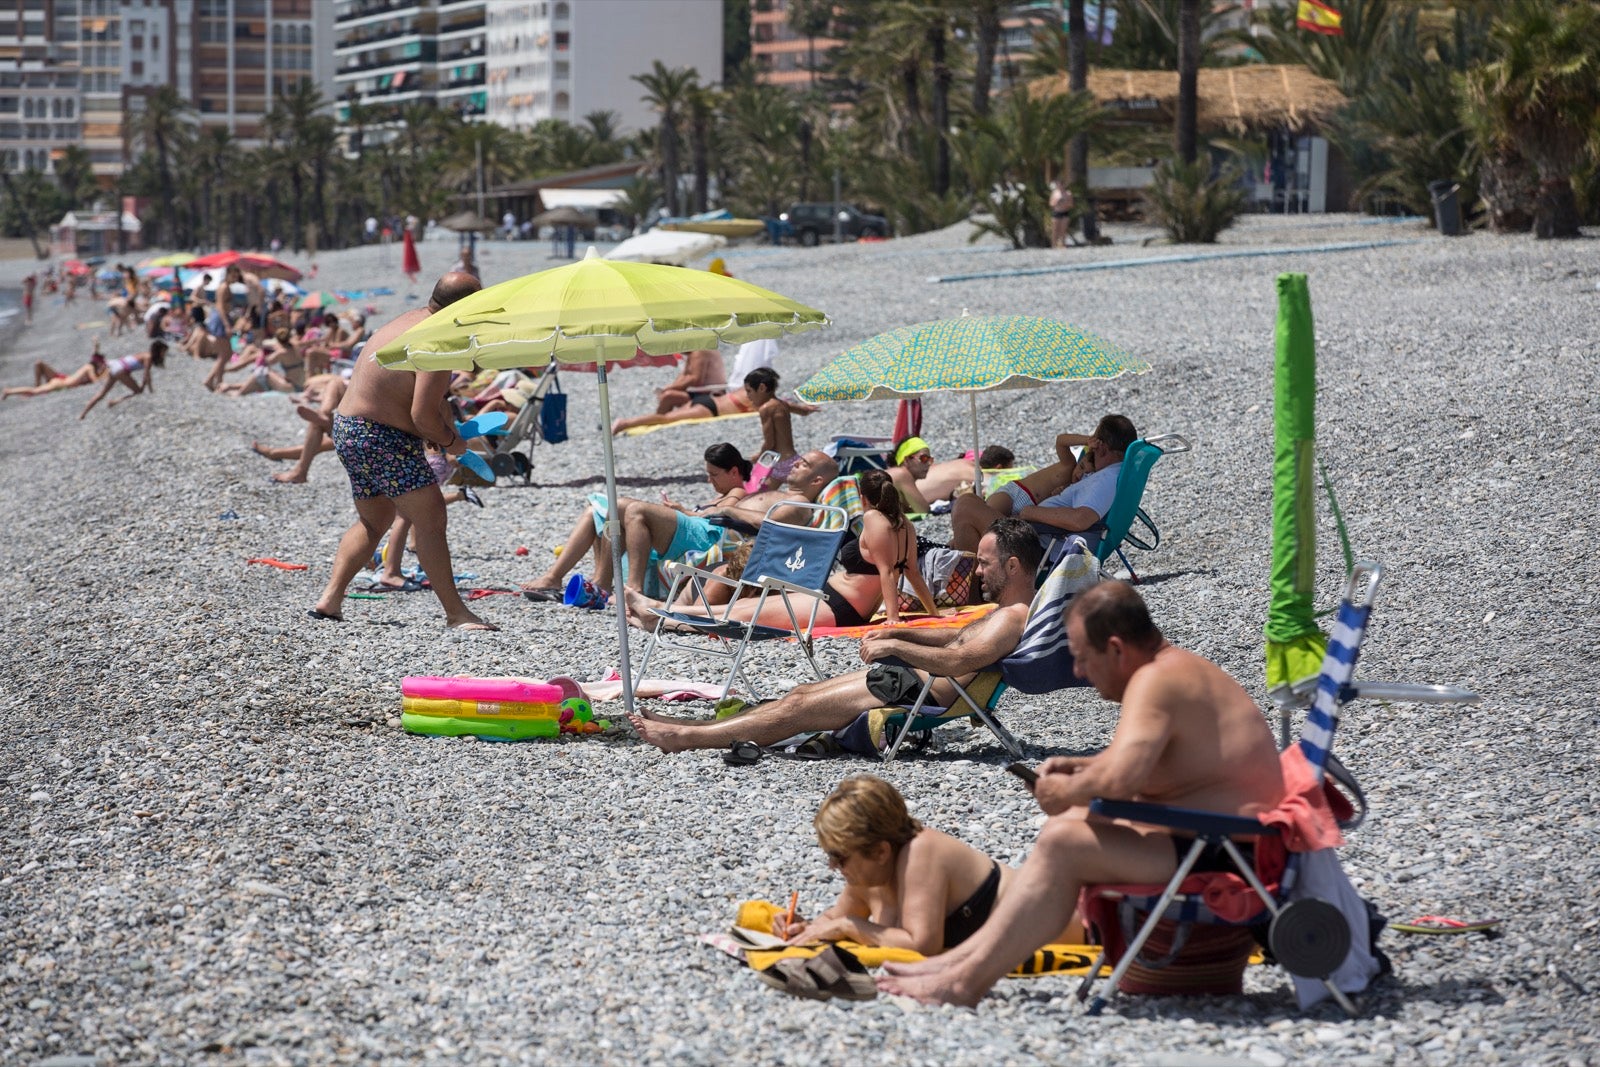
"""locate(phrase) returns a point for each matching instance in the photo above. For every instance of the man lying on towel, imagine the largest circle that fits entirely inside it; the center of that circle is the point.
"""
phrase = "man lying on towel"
(1188, 735)
(1008, 556)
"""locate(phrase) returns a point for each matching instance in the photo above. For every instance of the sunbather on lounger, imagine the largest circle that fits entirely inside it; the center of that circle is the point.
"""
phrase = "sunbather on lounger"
(726, 471)
(1188, 735)
(905, 885)
(1008, 556)
(921, 481)
(1047, 486)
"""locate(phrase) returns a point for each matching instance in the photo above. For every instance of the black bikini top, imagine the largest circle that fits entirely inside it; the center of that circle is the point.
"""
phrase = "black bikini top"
(853, 562)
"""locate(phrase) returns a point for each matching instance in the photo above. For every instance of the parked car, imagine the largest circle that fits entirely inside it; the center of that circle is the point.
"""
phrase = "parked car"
(814, 222)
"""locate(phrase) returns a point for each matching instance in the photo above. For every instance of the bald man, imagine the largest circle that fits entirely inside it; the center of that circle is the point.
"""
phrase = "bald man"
(379, 431)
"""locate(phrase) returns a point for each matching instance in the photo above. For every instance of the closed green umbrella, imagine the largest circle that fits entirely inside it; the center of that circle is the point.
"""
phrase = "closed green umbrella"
(1295, 644)
(597, 311)
(972, 354)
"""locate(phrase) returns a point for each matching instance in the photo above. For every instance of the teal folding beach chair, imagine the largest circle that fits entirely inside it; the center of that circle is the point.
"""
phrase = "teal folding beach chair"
(787, 561)
(1040, 663)
(1311, 937)
(1118, 527)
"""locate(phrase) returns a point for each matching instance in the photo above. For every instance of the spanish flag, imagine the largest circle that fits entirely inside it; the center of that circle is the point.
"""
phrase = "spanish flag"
(1319, 18)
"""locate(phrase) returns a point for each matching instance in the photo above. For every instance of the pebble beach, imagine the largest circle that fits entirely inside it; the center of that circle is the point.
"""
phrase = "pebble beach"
(221, 848)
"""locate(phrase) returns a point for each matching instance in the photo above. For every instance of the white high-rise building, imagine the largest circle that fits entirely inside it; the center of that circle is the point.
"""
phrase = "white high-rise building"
(563, 59)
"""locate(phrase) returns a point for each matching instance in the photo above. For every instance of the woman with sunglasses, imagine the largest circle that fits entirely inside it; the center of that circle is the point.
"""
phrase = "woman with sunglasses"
(905, 885)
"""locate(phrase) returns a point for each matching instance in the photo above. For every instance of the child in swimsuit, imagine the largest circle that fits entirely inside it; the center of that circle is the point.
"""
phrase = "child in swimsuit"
(905, 885)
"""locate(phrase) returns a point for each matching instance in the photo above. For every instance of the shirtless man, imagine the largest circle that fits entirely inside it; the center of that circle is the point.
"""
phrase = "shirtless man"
(1007, 559)
(703, 370)
(1188, 735)
(378, 432)
(671, 534)
(921, 481)
(1047, 488)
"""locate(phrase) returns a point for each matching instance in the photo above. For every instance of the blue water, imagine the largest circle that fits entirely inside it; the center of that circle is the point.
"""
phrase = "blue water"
(10, 327)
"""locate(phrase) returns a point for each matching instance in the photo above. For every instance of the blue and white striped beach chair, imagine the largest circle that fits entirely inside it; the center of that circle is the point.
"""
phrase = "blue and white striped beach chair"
(1310, 938)
(788, 560)
(1040, 663)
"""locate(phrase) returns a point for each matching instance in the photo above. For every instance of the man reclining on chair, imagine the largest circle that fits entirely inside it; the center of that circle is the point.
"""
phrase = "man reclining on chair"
(1188, 735)
(1077, 508)
(671, 534)
(1008, 557)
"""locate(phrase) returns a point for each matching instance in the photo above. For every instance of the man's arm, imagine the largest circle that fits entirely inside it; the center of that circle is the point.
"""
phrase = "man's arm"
(975, 647)
(430, 414)
(1122, 770)
(1066, 442)
(1070, 519)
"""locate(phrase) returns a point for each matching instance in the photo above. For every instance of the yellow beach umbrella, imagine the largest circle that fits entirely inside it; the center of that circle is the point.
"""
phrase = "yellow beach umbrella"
(597, 311)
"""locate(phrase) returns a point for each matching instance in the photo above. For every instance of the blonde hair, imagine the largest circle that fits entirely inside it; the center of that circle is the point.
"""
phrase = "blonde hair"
(862, 811)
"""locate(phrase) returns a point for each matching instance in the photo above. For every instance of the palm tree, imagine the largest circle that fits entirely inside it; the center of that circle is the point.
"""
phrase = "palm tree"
(603, 124)
(810, 19)
(163, 128)
(1012, 153)
(1543, 93)
(216, 158)
(702, 104)
(1187, 133)
(75, 175)
(984, 17)
(1352, 59)
(1078, 82)
(667, 91)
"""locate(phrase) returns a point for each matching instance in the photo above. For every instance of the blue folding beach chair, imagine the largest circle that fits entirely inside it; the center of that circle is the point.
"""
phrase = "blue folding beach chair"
(1039, 664)
(1117, 528)
(1311, 938)
(787, 560)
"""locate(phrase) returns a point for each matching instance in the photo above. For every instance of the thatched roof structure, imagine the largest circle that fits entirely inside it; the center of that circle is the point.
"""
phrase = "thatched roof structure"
(1238, 100)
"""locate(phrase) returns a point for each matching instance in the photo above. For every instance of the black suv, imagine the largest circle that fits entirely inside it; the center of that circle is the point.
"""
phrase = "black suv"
(811, 223)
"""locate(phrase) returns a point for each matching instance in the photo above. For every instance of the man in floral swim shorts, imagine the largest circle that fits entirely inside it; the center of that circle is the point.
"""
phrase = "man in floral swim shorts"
(378, 432)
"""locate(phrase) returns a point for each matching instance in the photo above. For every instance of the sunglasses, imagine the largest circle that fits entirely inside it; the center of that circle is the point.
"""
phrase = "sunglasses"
(836, 856)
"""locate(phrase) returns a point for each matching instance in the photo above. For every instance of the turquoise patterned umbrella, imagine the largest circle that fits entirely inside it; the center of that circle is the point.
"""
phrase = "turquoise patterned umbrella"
(971, 354)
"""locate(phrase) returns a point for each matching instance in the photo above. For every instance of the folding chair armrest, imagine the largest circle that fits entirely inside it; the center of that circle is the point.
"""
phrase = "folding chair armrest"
(1411, 693)
(1191, 819)
(1169, 443)
(778, 584)
(674, 568)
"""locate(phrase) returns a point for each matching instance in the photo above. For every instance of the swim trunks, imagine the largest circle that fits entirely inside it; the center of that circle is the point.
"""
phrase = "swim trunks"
(693, 534)
(380, 460)
(1020, 497)
(705, 400)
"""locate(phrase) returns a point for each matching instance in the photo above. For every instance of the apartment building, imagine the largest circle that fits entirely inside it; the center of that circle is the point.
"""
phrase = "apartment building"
(41, 108)
(779, 54)
(393, 53)
(79, 71)
(562, 59)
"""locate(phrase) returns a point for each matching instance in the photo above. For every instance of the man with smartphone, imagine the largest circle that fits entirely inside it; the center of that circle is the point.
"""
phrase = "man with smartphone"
(1188, 736)
(1008, 556)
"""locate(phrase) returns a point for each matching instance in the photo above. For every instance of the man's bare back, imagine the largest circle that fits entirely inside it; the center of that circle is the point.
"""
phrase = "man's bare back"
(379, 394)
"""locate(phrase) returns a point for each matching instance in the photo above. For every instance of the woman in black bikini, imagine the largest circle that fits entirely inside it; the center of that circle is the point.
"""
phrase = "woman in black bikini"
(905, 886)
(871, 566)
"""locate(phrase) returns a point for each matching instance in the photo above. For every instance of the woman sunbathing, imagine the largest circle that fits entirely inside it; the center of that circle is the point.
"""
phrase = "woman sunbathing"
(46, 379)
(123, 369)
(726, 471)
(905, 886)
(869, 572)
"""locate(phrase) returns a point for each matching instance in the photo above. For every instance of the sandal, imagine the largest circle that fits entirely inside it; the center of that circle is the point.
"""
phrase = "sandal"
(1439, 924)
(543, 595)
(794, 977)
(742, 754)
(840, 973)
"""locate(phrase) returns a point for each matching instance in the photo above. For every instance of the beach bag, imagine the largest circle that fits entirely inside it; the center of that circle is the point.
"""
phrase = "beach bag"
(553, 413)
(949, 573)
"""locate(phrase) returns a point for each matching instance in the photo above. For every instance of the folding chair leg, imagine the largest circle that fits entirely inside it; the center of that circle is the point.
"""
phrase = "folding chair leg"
(1133, 577)
(911, 717)
(1136, 946)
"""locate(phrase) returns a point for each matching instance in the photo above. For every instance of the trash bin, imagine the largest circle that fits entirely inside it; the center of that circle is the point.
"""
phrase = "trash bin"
(1446, 207)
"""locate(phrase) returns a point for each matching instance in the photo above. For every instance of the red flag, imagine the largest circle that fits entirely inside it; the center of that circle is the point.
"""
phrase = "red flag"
(907, 418)
(409, 263)
(1319, 18)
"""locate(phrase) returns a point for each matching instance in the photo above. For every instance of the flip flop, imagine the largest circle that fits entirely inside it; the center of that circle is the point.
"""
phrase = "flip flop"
(477, 465)
(482, 424)
(544, 595)
(410, 585)
(470, 495)
(1440, 924)
(742, 754)
(323, 616)
(793, 976)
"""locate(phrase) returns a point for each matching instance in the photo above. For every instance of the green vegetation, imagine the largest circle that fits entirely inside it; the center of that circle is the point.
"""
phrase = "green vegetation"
(923, 116)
